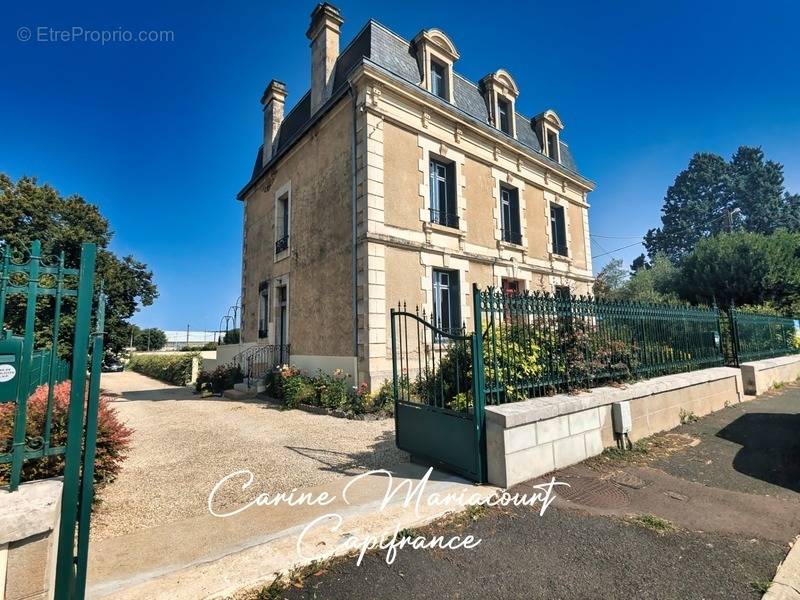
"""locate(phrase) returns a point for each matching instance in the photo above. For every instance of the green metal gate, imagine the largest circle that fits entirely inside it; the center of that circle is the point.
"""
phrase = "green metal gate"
(439, 395)
(39, 287)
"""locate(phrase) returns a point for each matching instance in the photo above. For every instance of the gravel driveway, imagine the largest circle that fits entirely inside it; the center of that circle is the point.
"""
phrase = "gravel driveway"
(183, 445)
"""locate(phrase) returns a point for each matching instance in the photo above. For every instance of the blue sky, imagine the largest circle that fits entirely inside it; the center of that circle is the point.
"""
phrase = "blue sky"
(162, 135)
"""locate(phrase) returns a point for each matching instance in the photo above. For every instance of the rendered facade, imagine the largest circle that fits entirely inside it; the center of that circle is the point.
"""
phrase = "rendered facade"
(394, 179)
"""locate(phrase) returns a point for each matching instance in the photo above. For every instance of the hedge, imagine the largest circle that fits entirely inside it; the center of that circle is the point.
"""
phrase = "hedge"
(169, 368)
(113, 437)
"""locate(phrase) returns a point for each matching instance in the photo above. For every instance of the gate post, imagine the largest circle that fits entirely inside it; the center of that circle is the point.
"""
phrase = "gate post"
(65, 567)
(478, 384)
(734, 328)
(394, 373)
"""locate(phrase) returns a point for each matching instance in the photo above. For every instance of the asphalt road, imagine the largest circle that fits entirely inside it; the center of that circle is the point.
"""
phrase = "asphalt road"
(732, 492)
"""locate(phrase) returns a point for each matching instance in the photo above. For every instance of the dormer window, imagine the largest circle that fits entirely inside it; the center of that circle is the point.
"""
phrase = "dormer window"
(548, 127)
(500, 92)
(439, 79)
(435, 56)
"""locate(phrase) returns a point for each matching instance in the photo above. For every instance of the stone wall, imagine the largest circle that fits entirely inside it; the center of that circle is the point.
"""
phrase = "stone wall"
(760, 375)
(527, 439)
(29, 521)
(317, 268)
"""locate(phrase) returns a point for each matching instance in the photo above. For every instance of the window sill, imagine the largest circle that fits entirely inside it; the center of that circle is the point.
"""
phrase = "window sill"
(283, 255)
(428, 226)
(504, 245)
(561, 257)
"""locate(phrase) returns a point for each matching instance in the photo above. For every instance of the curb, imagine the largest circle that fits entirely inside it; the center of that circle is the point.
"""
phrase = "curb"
(786, 583)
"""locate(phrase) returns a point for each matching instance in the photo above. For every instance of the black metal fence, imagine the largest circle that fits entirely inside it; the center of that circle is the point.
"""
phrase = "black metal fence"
(758, 336)
(537, 344)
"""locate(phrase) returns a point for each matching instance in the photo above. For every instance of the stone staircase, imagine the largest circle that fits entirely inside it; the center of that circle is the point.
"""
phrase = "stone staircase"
(255, 363)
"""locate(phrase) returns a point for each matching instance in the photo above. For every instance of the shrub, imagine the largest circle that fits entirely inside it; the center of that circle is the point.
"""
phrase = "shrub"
(220, 379)
(511, 356)
(298, 389)
(113, 438)
(384, 398)
(333, 390)
(169, 368)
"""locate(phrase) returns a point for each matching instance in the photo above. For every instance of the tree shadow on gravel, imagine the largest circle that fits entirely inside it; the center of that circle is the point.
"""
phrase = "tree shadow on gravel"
(770, 447)
(381, 454)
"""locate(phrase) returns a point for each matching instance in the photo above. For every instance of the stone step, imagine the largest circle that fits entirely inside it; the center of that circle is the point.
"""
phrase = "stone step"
(239, 394)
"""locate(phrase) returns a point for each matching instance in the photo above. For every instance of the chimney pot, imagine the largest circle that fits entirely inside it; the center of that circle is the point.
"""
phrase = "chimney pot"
(324, 32)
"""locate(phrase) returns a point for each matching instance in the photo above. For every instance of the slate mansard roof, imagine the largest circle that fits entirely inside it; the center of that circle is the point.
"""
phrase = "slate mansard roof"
(381, 47)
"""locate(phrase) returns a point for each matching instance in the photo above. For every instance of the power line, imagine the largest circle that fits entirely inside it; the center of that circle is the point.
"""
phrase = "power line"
(726, 215)
(617, 237)
(617, 250)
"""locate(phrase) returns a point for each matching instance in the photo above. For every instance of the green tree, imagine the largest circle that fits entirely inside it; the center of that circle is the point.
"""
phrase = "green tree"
(655, 283)
(746, 269)
(609, 280)
(756, 189)
(151, 338)
(640, 262)
(692, 207)
(30, 211)
(712, 196)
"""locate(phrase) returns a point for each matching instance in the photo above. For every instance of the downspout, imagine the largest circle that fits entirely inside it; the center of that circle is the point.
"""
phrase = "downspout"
(351, 91)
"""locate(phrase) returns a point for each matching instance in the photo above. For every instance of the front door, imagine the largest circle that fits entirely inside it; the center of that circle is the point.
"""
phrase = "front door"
(511, 286)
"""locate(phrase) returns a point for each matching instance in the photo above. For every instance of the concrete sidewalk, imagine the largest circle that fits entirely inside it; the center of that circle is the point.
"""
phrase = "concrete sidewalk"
(209, 556)
(786, 583)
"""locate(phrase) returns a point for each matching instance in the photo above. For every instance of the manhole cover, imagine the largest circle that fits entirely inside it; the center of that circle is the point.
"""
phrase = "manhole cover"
(593, 492)
(629, 480)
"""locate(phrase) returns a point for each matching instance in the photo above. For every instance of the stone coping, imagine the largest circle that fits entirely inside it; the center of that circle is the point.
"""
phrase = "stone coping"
(29, 511)
(771, 363)
(515, 414)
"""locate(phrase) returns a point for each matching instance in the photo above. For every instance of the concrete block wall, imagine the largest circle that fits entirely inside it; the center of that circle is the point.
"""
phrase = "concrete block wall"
(530, 438)
(760, 375)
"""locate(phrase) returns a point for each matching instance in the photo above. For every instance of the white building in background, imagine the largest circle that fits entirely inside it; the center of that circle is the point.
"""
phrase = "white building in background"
(180, 338)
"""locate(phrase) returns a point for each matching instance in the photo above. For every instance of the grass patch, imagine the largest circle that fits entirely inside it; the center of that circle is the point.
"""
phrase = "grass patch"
(405, 533)
(653, 523)
(761, 586)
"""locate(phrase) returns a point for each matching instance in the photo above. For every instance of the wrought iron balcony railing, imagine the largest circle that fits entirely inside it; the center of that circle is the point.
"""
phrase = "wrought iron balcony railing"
(282, 244)
(512, 237)
(444, 218)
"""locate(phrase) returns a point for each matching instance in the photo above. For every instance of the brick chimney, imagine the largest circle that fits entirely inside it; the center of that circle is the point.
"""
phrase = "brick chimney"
(326, 23)
(273, 100)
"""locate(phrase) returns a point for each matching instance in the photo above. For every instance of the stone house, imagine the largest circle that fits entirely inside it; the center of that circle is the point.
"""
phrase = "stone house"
(395, 179)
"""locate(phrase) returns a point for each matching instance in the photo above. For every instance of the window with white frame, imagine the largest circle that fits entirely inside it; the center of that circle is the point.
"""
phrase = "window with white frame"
(553, 150)
(509, 213)
(504, 115)
(558, 230)
(443, 193)
(446, 305)
(282, 224)
(439, 79)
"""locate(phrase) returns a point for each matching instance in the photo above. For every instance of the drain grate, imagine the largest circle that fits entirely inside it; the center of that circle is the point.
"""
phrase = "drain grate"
(593, 492)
